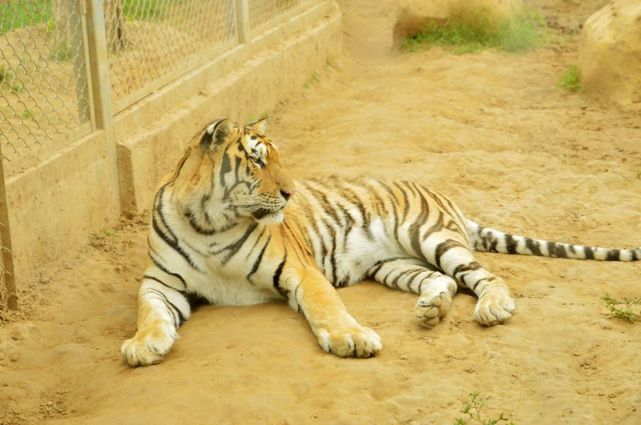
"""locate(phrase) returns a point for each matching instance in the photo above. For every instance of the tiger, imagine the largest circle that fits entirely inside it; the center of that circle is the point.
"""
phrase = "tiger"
(230, 227)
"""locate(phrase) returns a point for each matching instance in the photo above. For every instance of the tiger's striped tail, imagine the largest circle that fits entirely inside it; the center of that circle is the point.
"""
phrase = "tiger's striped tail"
(490, 240)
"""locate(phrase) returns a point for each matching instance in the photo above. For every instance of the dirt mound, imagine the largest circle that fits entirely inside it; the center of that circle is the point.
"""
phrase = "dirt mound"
(415, 15)
(610, 52)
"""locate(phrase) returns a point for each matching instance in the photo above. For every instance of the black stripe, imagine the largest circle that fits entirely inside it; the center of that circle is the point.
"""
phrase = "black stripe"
(406, 206)
(235, 246)
(485, 279)
(613, 255)
(394, 202)
(510, 244)
(358, 203)
(160, 266)
(533, 246)
(251, 251)
(436, 226)
(258, 260)
(146, 276)
(380, 263)
(277, 273)
(173, 244)
(462, 268)
(415, 228)
(400, 275)
(181, 317)
(588, 252)
(442, 248)
(326, 205)
(225, 167)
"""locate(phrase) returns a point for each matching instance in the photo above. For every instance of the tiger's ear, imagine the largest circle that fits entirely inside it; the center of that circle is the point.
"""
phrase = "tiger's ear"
(260, 125)
(215, 133)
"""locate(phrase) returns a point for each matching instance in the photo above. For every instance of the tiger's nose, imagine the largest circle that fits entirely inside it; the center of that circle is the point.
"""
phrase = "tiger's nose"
(286, 194)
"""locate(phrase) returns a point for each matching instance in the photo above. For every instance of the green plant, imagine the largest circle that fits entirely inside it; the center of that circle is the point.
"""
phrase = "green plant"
(26, 114)
(627, 309)
(313, 79)
(63, 53)
(571, 79)
(144, 9)
(472, 408)
(23, 13)
(17, 88)
(478, 31)
(3, 73)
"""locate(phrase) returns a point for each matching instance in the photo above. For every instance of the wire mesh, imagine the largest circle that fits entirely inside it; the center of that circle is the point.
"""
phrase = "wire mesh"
(43, 80)
(263, 11)
(151, 39)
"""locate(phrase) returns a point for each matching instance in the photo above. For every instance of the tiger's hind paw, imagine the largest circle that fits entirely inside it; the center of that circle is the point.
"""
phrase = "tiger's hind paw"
(431, 308)
(495, 305)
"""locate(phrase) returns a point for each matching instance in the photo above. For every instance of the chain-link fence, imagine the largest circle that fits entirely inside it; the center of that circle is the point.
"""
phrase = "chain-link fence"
(154, 41)
(54, 57)
(263, 11)
(44, 98)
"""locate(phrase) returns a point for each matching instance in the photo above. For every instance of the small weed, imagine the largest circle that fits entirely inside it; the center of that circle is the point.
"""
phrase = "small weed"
(26, 114)
(17, 88)
(476, 32)
(313, 79)
(472, 409)
(62, 53)
(20, 14)
(3, 73)
(571, 79)
(627, 309)
(146, 9)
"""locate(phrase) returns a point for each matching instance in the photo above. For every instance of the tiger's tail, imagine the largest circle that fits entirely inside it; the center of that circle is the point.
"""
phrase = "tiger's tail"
(490, 240)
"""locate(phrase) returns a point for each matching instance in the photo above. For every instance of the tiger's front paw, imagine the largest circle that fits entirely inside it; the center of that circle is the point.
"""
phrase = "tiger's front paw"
(150, 345)
(432, 307)
(495, 305)
(350, 341)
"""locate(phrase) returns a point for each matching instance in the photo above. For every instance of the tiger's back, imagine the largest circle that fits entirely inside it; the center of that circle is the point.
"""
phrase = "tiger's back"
(352, 225)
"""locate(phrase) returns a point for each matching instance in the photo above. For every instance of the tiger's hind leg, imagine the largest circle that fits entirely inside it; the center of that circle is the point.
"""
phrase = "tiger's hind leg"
(435, 290)
(494, 305)
(161, 310)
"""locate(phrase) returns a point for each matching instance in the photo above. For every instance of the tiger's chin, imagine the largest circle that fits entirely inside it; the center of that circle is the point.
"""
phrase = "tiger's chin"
(275, 217)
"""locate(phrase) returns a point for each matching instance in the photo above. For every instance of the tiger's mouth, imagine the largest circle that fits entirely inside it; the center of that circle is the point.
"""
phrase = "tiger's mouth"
(267, 216)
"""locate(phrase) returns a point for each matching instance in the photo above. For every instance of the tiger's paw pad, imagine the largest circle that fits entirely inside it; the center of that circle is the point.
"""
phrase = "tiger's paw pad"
(352, 341)
(495, 305)
(147, 348)
(431, 308)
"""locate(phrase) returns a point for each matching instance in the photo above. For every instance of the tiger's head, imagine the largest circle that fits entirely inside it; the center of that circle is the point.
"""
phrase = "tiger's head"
(231, 173)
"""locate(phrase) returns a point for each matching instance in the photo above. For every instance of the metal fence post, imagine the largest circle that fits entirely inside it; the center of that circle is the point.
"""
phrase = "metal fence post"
(7, 278)
(242, 20)
(98, 64)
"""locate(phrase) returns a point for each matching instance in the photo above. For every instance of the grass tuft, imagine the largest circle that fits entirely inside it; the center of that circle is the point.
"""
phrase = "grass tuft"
(472, 409)
(476, 32)
(62, 53)
(571, 79)
(627, 309)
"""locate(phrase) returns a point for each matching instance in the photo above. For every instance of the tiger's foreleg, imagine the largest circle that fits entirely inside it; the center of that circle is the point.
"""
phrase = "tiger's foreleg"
(435, 290)
(336, 330)
(161, 310)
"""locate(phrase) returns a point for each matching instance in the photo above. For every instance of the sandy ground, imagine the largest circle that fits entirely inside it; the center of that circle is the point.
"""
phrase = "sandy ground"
(491, 130)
